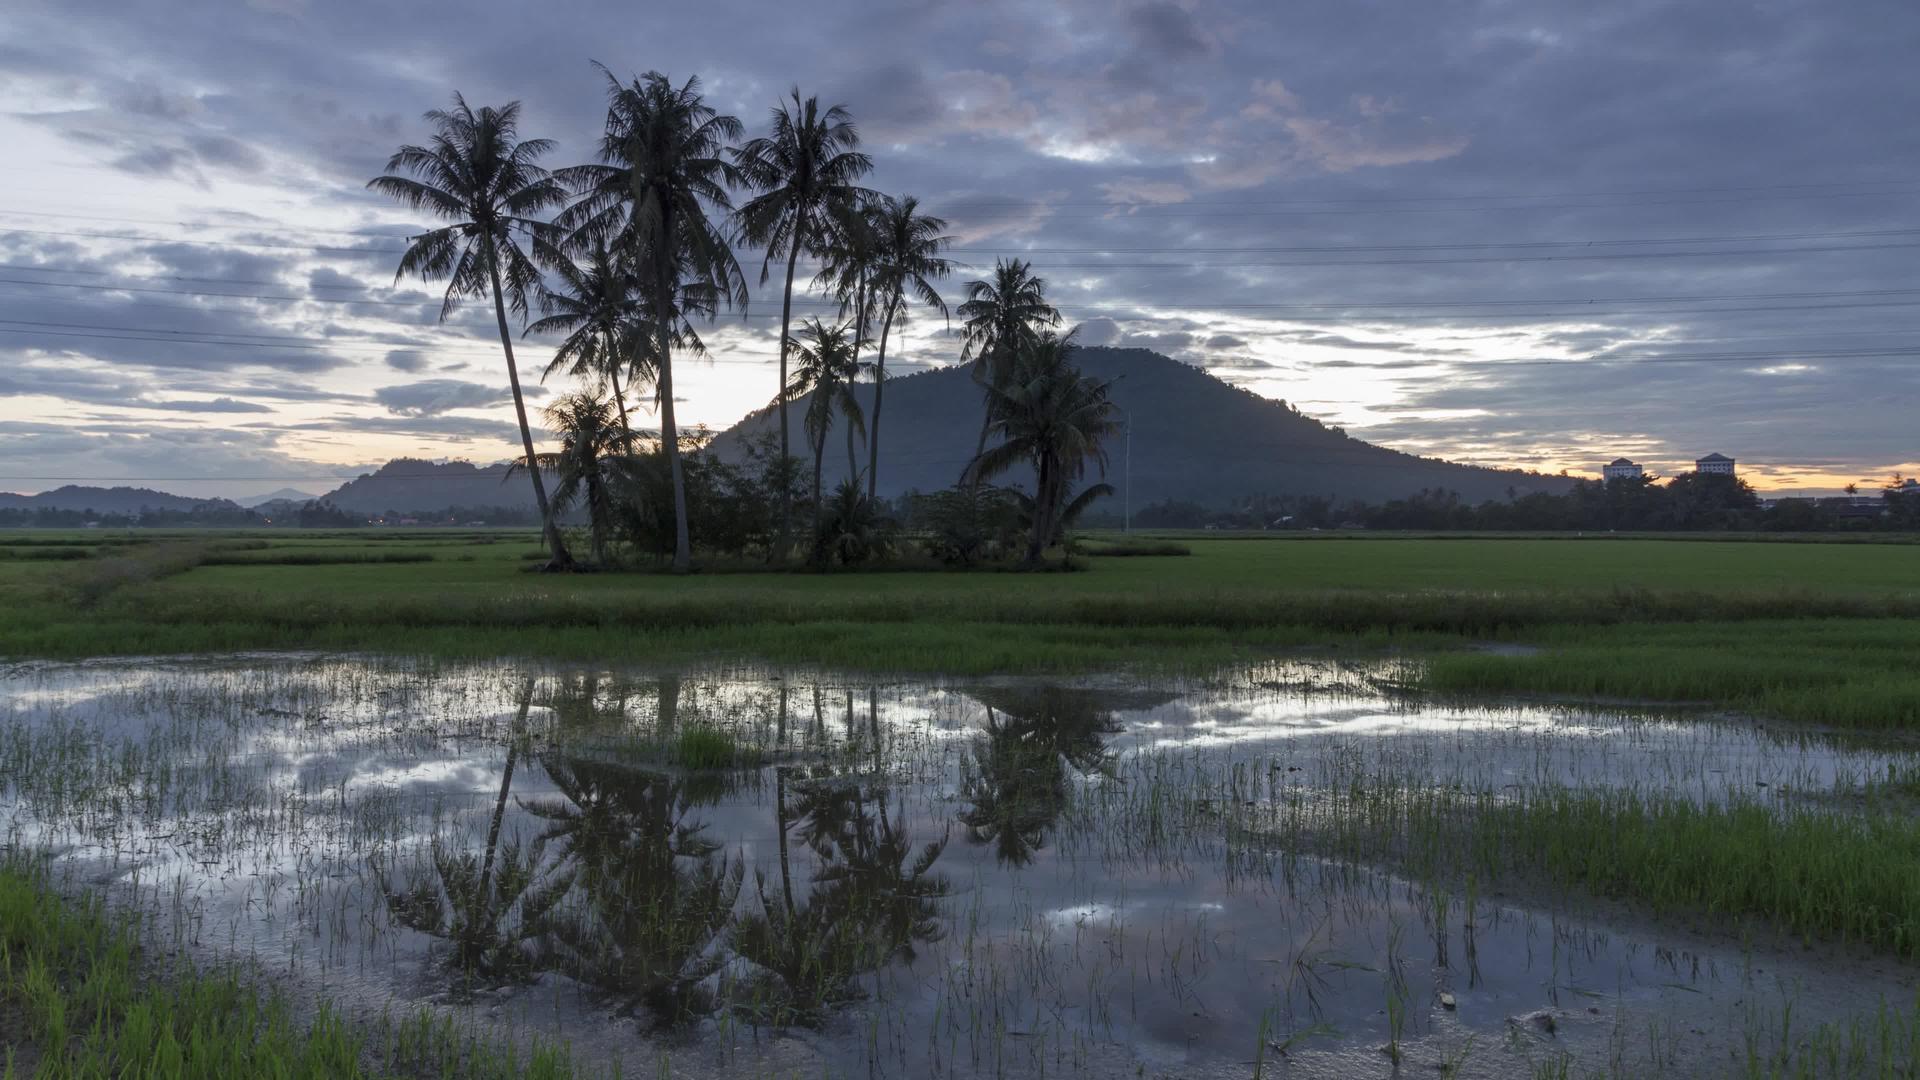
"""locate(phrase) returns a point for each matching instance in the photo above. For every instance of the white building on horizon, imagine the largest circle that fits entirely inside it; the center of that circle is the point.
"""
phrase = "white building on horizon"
(1715, 463)
(1621, 469)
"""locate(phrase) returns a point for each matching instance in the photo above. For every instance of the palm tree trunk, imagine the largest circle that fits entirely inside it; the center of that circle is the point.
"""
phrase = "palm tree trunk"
(669, 431)
(620, 401)
(798, 240)
(781, 824)
(853, 383)
(1042, 511)
(819, 452)
(853, 461)
(500, 804)
(969, 475)
(879, 387)
(561, 560)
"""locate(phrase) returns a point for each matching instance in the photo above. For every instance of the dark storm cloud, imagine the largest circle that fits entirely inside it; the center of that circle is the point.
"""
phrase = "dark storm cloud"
(1183, 173)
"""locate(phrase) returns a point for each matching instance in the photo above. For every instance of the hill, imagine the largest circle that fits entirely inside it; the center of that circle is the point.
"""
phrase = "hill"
(1195, 438)
(114, 500)
(411, 485)
(284, 495)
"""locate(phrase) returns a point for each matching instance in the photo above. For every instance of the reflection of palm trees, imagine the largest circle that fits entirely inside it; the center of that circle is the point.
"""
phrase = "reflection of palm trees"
(491, 908)
(651, 898)
(1016, 776)
(873, 899)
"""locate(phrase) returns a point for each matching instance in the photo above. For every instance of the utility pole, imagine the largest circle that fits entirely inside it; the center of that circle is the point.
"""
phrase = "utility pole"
(1126, 482)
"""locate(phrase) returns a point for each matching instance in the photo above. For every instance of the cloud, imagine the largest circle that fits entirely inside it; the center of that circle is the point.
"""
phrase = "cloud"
(1171, 167)
(431, 397)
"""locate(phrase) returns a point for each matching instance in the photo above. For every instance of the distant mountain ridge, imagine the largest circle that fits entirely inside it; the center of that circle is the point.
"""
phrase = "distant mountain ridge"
(284, 495)
(114, 500)
(1195, 438)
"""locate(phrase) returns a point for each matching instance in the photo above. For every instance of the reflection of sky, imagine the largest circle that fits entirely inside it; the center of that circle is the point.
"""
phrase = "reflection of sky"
(292, 781)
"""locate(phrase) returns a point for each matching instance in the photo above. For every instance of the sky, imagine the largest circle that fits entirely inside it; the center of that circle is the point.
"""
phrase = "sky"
(1535, 234)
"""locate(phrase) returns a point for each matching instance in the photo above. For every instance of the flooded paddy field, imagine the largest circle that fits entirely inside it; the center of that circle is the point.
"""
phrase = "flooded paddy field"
(1292, 869)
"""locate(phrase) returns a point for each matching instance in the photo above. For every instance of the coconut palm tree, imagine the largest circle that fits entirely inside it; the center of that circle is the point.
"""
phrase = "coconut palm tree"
(1052, 417)
(587, 468)
(656, 195)
(594, 306)
(804, 172)
(1002, 315)
(909, 263)
(850, 260)
(824, 366)
(482, 178)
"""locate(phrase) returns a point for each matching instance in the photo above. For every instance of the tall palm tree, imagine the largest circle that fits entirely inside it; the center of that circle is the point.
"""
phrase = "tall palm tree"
(909, 244)
(481, 177)
(804, 172)
(1052, 417)
(652, 194)
(594, 307)
(850, 262)
(824, 366)
(587, 468)
(1002, 315)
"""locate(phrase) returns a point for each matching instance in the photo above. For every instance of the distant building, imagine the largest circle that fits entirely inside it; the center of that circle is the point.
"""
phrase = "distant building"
(1621, 469)
(1715, 463)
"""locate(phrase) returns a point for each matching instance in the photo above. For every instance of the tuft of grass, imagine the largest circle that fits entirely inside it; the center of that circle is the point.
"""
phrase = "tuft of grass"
(705, 747)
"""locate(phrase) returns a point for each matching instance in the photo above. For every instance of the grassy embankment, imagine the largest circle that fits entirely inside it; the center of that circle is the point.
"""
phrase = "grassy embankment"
(1806, 631)
(79, 998)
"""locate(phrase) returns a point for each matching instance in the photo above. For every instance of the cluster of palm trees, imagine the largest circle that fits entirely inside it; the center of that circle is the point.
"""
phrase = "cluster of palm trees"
(626, 255)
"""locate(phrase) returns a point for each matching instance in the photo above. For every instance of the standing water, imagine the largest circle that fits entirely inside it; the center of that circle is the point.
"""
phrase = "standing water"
(722, 871)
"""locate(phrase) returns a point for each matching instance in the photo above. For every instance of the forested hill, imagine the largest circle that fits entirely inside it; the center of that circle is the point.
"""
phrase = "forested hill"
(1195, 438)
(114, 500)
(410, 485)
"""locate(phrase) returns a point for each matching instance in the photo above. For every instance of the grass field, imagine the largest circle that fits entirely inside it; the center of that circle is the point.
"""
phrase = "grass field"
(1804, 630)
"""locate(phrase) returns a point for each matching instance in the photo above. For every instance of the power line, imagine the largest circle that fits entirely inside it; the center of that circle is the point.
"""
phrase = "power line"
(1344, 306)
(1293, 249)
(146, 335)
(1322, 249)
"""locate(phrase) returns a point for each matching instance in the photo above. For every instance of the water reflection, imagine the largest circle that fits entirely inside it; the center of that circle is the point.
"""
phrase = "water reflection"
(1015, 776)
(872, 899)
(1117, 899)
(651, 892)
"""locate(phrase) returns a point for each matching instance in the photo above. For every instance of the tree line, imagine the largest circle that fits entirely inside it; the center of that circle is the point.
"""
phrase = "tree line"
(626, 258)
(1687, 502)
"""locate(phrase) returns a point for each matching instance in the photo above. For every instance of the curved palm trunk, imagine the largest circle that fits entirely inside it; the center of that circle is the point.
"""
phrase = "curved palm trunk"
(969, 475)
(620, 402)
(560, 560)
(781, 824)
(879, 388)
(853, 384)
(784, 541)
(669, 431)
(500, 804)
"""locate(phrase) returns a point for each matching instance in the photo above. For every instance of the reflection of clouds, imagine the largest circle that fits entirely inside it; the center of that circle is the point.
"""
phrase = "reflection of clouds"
(364, 762)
